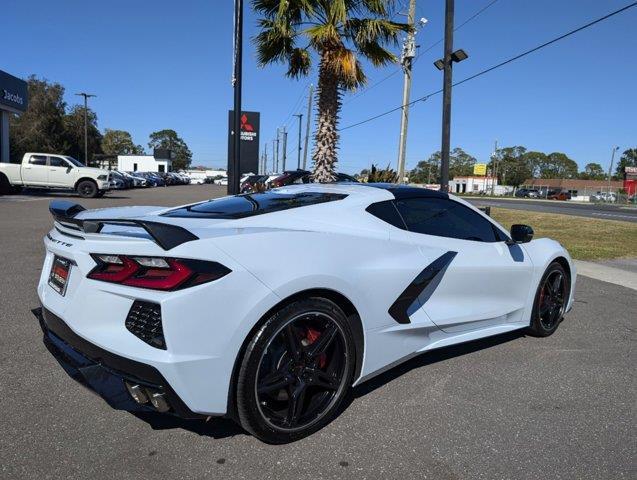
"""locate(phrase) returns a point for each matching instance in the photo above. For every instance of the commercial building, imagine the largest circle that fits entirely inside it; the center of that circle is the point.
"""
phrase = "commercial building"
(159, 161)
(477, 185)
(14, 99)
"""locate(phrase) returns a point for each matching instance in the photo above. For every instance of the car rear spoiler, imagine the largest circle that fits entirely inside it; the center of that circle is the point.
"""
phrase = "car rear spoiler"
(165, 235)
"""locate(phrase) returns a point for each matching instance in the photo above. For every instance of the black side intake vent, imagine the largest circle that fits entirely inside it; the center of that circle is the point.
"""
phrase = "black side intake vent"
(144, 321)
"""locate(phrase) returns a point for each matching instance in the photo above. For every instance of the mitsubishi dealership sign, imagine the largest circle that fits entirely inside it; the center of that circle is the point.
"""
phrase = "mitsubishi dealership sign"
(249, 142)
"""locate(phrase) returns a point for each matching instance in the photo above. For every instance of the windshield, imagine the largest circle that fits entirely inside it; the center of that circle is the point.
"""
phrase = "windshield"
(77, 163)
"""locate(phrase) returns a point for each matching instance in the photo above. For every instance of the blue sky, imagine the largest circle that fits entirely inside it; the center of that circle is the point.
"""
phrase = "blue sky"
(164, 64)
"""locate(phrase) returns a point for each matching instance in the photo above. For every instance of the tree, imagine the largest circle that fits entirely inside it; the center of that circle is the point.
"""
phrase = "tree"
(558, 165)
(427, 171)
(338, 32)
(514, 165)
(628, 159)
(168, 139)
(120, 142)
(460, 163)
(592, 171)
(41, 127)
(74, 133)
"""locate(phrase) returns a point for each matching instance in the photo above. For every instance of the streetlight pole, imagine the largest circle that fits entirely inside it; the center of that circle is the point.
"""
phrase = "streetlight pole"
(446, 97)
(298, 162)
(278, 135)
(233, 184)
(494, 168)
(610, 169)
(86, 97)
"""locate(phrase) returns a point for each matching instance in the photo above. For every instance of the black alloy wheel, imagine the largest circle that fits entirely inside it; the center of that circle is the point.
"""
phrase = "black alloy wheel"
(296, 371)
(87, 189)
(550, 301)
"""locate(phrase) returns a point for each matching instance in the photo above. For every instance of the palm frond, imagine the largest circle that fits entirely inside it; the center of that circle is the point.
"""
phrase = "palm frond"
(275, 42)
(377, 55)
(300, 63)
(368, 30)
(346, 67)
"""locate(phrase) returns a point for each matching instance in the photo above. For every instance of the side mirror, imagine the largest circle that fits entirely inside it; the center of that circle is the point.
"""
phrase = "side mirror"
(69, 168)
(521, 233)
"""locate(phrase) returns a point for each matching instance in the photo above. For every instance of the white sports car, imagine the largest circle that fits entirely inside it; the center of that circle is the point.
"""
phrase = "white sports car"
(183, 310)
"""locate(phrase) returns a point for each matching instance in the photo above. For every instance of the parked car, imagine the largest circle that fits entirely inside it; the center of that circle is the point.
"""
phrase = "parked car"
(119, 181)
(138, 180)
(610, 197)
(527, 193)
(250, 183)
(44, 170)
(394, 271)
(291, 177)
(558, 195)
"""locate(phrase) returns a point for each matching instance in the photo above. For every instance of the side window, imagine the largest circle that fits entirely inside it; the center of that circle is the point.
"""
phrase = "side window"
(58, 162)
(445, 218)
(37, 160)
(386, 211)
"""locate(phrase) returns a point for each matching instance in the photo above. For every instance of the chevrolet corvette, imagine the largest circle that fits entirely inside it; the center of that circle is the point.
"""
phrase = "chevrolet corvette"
(268, 307)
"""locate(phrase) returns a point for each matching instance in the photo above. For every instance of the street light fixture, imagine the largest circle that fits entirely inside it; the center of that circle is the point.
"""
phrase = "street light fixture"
(86, 97)
(457, 57)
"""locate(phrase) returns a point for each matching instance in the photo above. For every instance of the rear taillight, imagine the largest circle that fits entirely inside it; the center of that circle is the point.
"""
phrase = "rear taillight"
(157, 273)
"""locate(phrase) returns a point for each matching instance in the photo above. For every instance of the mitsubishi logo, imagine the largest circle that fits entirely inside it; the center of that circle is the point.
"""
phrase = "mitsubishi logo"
(245, 125)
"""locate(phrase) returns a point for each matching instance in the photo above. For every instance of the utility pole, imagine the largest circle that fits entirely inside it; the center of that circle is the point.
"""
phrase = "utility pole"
(265, 158)
(610, 169)
(233, 184)
(276, 170)
(86, 97)
(307, 127)
(494, 168)
(409, 52)
(273, 156)
(285, 146)
(298, 162)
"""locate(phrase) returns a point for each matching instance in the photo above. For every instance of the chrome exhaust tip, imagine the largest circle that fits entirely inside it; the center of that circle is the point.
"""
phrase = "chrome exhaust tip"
(159, 401)
(137, 392)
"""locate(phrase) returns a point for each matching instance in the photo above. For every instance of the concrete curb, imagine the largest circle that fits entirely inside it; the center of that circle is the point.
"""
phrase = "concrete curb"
(608, 274)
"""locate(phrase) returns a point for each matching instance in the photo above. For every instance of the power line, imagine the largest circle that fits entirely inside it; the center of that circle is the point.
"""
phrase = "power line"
(501, 64)
(387, 77)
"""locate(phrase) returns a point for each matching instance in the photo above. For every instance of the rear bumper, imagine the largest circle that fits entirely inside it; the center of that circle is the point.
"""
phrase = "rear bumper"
(104, 372)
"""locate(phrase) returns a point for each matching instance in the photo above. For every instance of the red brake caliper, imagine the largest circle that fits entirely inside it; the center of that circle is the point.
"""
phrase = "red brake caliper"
(311, 337)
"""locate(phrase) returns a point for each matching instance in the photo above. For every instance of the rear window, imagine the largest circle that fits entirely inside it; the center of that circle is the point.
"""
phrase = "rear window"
(241, 206)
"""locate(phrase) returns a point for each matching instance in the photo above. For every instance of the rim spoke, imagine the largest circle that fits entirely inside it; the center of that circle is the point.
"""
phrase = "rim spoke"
(297, 396)
(556, 284)
(324, 341)
(294, 344)
(273, 381)
(323, 380)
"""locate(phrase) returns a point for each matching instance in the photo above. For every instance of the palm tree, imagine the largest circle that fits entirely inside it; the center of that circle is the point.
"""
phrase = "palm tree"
(338, 33)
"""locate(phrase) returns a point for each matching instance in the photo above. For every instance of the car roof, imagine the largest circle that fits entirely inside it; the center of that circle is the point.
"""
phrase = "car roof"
(377, 191)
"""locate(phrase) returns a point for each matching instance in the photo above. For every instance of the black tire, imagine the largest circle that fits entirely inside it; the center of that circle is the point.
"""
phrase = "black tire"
(87, 189)
(300, 389)
(550, 301)
(5, 186)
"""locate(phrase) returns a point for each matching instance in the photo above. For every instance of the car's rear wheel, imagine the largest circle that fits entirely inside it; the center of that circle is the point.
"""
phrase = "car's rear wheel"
(296, 371)
(87, 189)
(550, 301)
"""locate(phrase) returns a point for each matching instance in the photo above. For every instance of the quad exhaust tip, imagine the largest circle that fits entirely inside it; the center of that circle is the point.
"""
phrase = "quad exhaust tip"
(143, 395)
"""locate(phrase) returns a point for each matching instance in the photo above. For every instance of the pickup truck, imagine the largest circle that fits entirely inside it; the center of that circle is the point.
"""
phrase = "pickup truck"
(44, 170)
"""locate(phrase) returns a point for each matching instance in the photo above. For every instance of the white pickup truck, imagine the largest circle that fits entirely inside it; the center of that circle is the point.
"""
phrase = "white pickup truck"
(44, 170)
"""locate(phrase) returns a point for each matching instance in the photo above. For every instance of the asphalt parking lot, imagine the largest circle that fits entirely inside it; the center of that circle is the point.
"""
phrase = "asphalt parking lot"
(507, 407)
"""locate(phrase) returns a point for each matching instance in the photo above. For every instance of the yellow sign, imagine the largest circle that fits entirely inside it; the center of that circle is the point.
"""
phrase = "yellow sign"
(480, 169)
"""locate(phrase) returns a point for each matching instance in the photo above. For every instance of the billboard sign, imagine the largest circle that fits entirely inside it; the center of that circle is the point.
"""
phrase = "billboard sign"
(480, 169)
(250, 124)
